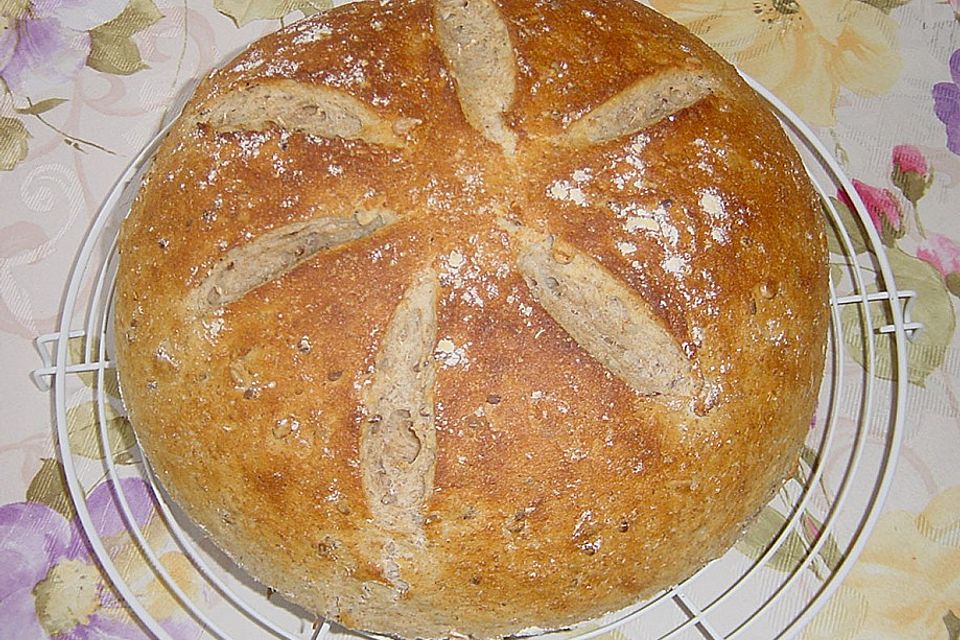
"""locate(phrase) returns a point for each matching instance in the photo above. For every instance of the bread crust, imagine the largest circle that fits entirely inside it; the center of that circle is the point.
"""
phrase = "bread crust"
(556, 489)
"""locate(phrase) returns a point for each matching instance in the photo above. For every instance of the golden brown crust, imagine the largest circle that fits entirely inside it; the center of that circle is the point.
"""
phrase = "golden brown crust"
(557, 491)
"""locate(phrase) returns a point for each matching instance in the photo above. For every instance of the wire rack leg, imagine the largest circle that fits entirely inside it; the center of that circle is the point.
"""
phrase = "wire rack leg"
(321, 631)
(702, 624)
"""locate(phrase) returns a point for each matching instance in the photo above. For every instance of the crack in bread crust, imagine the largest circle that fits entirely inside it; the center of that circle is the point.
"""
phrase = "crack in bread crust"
(640, 106)
(398, 439)
(611, 323)
(276, 253)
(476, 44)
(303, 108)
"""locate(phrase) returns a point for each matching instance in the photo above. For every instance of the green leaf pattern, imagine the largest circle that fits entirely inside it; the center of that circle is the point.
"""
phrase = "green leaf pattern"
(243, 12)
(50, 488)
(795, 547)
(952, 623)
(933, 307)
(761, 535)
(112, 49)
(76, 354)
(885, 5)
(852, 225)
(83, 420)
(13, 143)
(36, 108)
(83, 429)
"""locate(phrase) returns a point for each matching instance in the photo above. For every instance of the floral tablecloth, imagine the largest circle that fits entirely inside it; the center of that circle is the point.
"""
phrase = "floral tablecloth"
(86, 83)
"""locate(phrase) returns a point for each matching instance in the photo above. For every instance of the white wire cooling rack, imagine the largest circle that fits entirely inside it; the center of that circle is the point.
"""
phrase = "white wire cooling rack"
(768, 587)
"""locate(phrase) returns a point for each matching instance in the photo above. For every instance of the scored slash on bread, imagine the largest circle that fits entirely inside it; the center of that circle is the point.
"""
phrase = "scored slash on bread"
(302, 108)
(398, 442)
(275, 253)
(603, 316)
(642, 105)
(452, 314)
(476, 44)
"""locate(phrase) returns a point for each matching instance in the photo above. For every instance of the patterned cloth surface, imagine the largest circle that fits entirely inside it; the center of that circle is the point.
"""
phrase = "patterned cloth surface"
(87, 83)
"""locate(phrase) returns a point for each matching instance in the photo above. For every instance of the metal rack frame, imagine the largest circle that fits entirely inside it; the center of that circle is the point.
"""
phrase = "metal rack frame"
(88, 302)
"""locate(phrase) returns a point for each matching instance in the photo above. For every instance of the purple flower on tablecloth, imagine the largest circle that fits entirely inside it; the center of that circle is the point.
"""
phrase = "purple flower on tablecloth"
(50, 585)
(43, 46)
(45, 43)
(943, 254)
(883, 207)
(946, 103)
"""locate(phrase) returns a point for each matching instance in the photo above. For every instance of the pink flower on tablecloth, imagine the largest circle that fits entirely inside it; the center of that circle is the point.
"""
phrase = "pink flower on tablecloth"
(909, 159)
(884, 209)
(912, 175)
(946, 103)
(50, 586)
(45, 42)
(943, 254)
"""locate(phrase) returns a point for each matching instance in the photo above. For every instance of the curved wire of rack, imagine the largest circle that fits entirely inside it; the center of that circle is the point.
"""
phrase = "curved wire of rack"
(704, 606)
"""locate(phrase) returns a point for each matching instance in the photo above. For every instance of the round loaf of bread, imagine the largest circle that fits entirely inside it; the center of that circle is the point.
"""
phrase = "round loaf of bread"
(469, 316)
